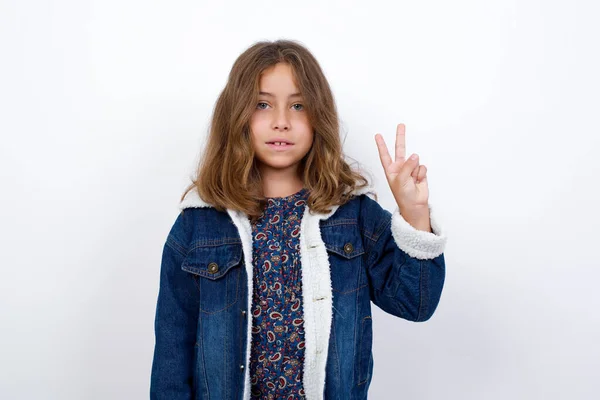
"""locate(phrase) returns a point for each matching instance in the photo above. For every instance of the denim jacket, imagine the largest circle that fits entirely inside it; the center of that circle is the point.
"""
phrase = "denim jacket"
(356, 254)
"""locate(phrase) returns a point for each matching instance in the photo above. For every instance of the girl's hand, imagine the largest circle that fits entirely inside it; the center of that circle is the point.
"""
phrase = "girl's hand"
(407, 180)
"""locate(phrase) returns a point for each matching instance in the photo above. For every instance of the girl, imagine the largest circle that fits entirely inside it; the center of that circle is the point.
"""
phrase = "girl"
(269, 271)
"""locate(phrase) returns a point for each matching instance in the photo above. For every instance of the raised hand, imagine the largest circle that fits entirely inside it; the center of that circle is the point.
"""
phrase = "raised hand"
(407, 180)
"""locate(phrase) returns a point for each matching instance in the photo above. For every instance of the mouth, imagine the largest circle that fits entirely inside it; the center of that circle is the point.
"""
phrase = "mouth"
(280, 142)
(280, 145)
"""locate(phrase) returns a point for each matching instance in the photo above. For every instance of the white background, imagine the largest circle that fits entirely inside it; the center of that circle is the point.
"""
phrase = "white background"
(104, 106)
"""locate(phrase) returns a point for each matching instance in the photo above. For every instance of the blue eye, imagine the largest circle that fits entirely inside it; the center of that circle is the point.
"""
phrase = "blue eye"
(263, 108)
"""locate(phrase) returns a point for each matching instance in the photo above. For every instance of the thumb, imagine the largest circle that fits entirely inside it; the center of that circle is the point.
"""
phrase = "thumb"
(409, 166)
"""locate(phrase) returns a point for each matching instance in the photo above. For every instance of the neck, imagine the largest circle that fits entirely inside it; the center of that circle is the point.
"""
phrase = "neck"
(281, 183)
(281, 188)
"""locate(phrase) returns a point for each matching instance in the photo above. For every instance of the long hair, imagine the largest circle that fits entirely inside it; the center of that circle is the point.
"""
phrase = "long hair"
(228, 175)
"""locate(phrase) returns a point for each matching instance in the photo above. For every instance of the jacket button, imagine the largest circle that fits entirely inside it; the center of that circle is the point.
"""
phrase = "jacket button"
(348, 248)
(244, 313)
(213, 268)
(242, 366)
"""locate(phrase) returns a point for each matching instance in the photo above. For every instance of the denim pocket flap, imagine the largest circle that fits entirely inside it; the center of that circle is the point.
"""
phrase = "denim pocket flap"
(212, 262)
(344, 240)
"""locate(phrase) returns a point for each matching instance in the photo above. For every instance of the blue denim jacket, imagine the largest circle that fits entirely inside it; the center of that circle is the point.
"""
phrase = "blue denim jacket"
(354, 255)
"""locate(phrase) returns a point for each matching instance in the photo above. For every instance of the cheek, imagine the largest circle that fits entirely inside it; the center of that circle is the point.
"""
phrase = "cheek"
(259, 125)
(309, 140)
(256, 125)
(303, 125)
(310, 135)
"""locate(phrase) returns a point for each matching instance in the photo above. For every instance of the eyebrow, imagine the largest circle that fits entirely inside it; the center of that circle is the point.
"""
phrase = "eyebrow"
(272, 95)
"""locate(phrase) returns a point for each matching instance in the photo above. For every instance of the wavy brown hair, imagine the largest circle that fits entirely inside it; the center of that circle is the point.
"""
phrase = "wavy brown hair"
(227, 174)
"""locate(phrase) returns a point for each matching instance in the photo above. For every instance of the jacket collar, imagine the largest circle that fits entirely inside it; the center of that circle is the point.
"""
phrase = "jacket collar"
(193, 200)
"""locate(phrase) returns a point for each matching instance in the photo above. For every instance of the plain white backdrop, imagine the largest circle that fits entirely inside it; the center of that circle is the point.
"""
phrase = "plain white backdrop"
(104, 107)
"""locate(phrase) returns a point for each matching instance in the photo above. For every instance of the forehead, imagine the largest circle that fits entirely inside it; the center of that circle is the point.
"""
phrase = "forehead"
(278, 80)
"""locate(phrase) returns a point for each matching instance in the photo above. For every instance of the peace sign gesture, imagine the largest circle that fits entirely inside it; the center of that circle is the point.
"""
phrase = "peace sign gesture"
(407, 179)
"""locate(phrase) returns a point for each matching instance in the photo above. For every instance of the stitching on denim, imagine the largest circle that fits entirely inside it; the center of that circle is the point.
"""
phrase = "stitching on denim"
(225, 359)
(368, 234)
(214, 242)
(218, 311)
(362, 334)
(173, 244)
(342, 253)
(384, 226)
(201, 346)
(202, 272)
(341, 221)
(375, 236)
(228, 305)
(394, 301)
(375, 239)
(355, 375)
(350, 291)
(424, 289)
(337, 357)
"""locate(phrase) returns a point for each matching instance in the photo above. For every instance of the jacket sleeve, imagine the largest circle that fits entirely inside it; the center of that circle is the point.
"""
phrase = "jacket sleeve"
(405, 266)
(175, 324)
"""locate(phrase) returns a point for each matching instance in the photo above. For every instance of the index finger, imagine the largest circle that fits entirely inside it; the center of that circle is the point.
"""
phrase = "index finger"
(384, 155)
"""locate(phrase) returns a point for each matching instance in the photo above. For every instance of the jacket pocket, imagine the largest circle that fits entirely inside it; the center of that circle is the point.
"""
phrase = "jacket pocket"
(216, 268)
(344, 247)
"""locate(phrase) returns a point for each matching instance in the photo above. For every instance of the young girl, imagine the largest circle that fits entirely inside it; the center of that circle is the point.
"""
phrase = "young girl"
(269, 271)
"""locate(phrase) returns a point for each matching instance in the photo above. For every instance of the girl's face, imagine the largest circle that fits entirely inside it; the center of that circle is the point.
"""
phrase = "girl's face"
(280, 116)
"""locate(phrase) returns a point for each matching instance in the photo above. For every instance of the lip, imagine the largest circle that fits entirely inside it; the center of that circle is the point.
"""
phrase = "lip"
(280, 148)
(277, 139)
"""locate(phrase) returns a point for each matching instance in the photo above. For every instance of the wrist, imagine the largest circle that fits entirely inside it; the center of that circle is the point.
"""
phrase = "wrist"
(418, 217)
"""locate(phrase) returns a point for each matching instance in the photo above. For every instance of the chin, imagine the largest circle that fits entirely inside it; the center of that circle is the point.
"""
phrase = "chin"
(278, 165)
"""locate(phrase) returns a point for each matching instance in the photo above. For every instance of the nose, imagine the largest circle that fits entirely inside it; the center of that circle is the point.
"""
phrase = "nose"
(281, 120)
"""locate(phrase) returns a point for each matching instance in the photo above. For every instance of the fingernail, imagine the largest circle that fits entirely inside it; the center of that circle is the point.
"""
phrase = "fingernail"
(413, 157)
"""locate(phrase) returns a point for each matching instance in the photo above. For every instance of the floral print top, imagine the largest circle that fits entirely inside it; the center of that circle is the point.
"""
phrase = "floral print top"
(277, 350)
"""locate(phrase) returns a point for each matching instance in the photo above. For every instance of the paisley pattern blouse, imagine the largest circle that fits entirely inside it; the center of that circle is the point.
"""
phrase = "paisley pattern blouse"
(277, 350)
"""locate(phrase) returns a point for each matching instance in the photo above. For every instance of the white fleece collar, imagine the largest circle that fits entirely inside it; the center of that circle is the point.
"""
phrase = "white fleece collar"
(193, 200)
